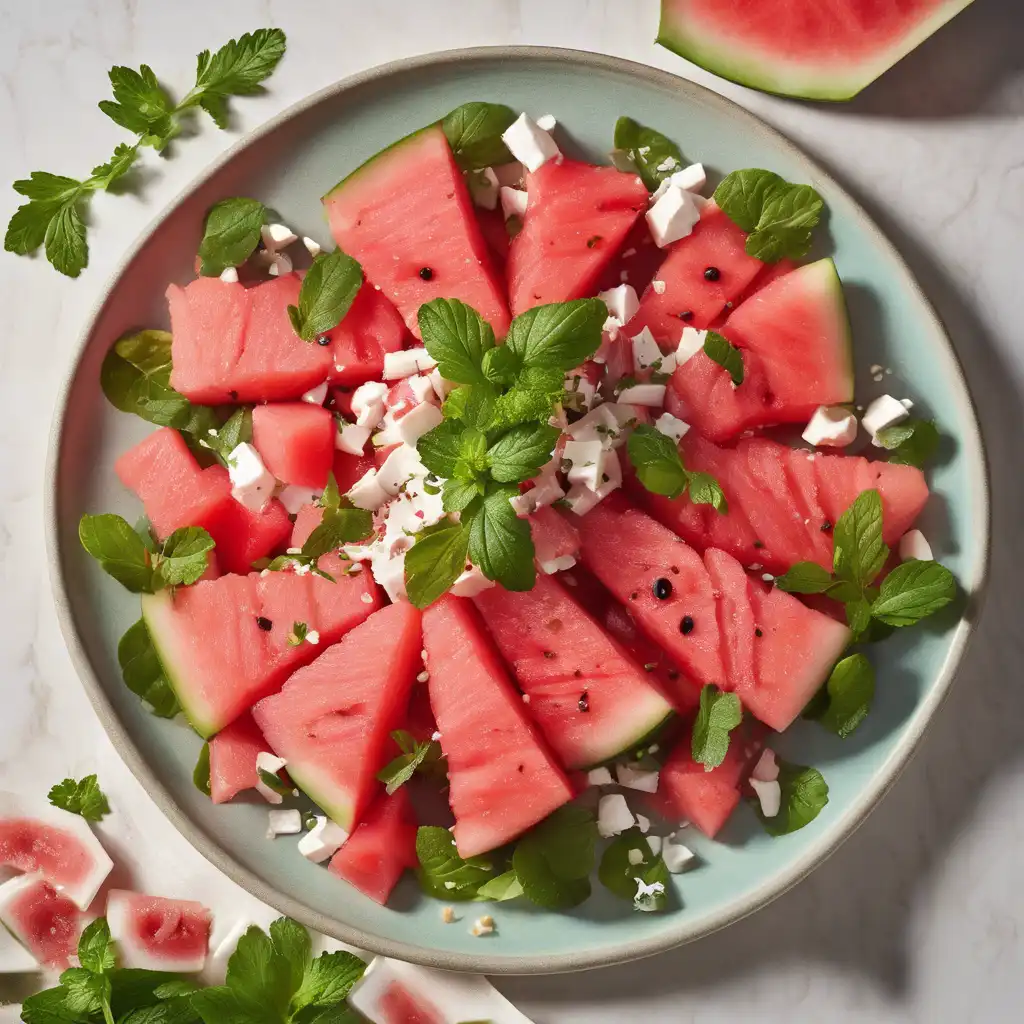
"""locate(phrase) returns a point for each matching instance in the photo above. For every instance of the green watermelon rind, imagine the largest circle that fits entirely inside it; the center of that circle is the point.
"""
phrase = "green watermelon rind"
(755, 71)
(643, 740)
(368, 165)
(340, 811)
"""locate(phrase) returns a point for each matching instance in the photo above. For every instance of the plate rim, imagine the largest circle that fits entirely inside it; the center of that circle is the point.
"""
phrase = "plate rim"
(883, 778)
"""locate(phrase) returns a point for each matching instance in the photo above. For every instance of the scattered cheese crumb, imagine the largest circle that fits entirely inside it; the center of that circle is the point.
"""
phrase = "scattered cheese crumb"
(283, 823)
(621, 301)
(769, 794)
(317, 395)
(676, 856)
(883, 412)
(277, 236)
(313, 247)
(831, 426)
(482, 926)
(423, 677)
(366, 598)
(654, 842)
(636, 778)
(546, 122)
(599, 777)
(658, 286)
(613, 815)
(673, 216)
(643, 823)
(229, 275)
(529, 143)
(690, 343)
(323, 840)
(635, 857)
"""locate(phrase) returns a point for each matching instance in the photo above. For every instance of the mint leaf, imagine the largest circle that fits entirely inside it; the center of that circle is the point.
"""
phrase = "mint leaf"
(85, 993)
(331, 498)
(474, 132)
(201, 772)
(328, 291)
(83, 797)
(718, 715)
(442, 872)
(704, 489)
(441, 448)
(49, 1007)
(271, 779)
(95, 947)
(435, 561)
(64, 241)
(259, 976)
(913, 591)
(327, 980)
(554, 859)
(119, 550)
(858, 616)
(292, 942)
(226, 438)
(805, 578)
(719, 349)
(499, 365)
(913, 442)
(458, 495)
(742, 194)
(105, 174)
(558, 336)
(532, 397)
(141, 105)
(26, 230)
(473, 404)
(519, 454)
(504, 887)
(136, 378)
(859, 551)
(500, 543)
(185, 556)
(339, 526)
(142, 672)
(655, 457)
(457, 337)
(850, 690)
(655, 156)
(231, 235)
(416, 754)
(804, 794)
(620, 875)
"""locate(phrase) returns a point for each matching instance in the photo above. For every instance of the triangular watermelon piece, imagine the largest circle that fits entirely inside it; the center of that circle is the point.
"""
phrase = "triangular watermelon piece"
(333, 717)
(576, 220)
(295, 441)
(590, 700)
(233, 753)
(502, 777)
(371, 328)
(406, 215)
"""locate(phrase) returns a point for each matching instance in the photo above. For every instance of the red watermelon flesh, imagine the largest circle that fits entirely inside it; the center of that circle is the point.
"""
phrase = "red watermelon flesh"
(295, 441)
(407, 210)
(383, 845)
(503, 779)
(768, 273)
(243, 536)
(215, 653)
(233, 753)
(158, 934)
(553, 535)
(371, 328)
(495, 232)
(237, 344)
(332, 718)
(43, 920)
(400, 1006)
(349, 468)
(639, 259)
(577, 217)
(589, 699)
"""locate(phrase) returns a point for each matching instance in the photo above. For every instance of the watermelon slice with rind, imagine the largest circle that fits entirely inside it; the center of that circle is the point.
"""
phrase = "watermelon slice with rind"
(55, 845)
(158, 934)
(818, 49)
(42, 919)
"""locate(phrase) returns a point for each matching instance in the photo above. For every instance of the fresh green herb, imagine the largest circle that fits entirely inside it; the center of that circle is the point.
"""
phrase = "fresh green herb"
(805, 578)
(704, 489)
(499, 365)
(620, 875)
(655, 156)
(719, 349)
(83, 797)
(912, 591)
(473, 404)
(522, 452)
(474, 132)
(846, 698)
(141, 105)
(236, 430)
(201, 772)
(659, 467)
(458, 495)
(559, 336)
(298, 633)
(442, 872)
(500, 542)
(340, 524)
(804, 794)
(858, 549)
(718, 715)
(184, 557)
(554, 859)
(273, 781)
(327, 293)
(504, 887)
(457, 337)
(416, 756)
(435, 561)
(142, 672)
(779, 217)
(913, 442)
(531, 397)
(231, 234)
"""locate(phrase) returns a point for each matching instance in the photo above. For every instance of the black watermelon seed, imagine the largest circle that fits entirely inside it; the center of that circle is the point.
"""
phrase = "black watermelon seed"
(521, 768)
(758, 544)
(662, 589)
(584, 702)
(549, 654)
(686, 626)
(426, 273)
(264, 623)
(323, 340)
(758, 632)
(577, 673)
(826, 526)
(673, 674)
(234, 396)
(687, 314)
(712, 274)
(633, 596)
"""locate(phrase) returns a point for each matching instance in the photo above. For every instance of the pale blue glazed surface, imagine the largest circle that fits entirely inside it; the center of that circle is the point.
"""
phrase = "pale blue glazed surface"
(289, 166)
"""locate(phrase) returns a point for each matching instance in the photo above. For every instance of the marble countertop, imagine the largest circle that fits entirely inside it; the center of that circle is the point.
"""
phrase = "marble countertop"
(919, 916)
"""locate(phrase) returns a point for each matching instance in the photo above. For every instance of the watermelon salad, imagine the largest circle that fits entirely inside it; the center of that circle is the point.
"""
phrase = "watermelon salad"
(499, 497)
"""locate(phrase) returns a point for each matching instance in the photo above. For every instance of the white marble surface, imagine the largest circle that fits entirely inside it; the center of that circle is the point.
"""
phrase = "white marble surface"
(919, 916)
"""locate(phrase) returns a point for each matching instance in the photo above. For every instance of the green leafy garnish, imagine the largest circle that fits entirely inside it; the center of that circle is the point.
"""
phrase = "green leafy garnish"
(912, 591)
(83, 797)
(719, 349)
(327, 293)
(655, 156)
(778, 217)
(143, 673)
(913, 442)
(718, 715)
(845, 700)
(298, 633)
(805, 578)
(559, 336)
(340, 524)
(442, 872)
(554, 859)
(620, 875)
(416, 756)
(522, 452)
(500, 543)
(804, 794)
(858, 549)
(141, 105)
(435, 562)
(505, 887)
(184, 556)
(474, 132)
(457, 337)
(659, 467)
(273, 781)
(201, 772)
(231, 234)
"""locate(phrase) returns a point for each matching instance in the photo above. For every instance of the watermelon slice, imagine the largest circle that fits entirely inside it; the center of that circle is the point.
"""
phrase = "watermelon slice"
(371, 328)
(380, 849)
(216, 650)
(233, 753)
(236, 344)
(295, 441)
(503, 780)
(42, 919)
(555, 539)
(638, 259)
(575, 223)
(819, 49)
(589, 699)
(333, 717)
(407, 217)
(158, 934)
(778, 518)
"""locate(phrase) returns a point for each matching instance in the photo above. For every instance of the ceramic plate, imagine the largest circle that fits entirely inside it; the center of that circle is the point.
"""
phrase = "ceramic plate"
(289, 164)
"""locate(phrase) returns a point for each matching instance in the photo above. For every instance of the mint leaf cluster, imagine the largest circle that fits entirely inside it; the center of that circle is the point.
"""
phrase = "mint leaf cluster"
(327, 293)
(142, 672)
(659, 467)
(417, 756)
(83, 797)
(845, 699)
(719, 713)
(655, 156)
(54, 217)
(474, 133)
(494, 436)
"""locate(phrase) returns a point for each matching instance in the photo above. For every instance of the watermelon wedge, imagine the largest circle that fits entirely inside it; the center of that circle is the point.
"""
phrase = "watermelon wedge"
(406, 215)
(555, 539)
(158, 934)
(589, 699)
(818, 49)
(332, 718)
(371, 328)
(295, 441)
(42, 919)
(383, 845)
(577, 217)
(216, 650)
(503, 779)
(233, 753)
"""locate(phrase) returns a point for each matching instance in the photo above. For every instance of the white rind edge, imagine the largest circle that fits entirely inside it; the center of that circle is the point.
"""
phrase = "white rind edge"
(119, 915)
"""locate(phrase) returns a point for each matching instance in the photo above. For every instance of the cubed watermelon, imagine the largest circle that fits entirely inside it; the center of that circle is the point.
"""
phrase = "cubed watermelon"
(233, 753)
(371, 328)
(296, 442)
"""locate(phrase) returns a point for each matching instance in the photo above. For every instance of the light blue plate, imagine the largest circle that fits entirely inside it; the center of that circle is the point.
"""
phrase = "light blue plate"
(289, 164)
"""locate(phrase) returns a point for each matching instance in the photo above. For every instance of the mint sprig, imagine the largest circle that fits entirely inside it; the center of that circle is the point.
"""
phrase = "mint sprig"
(913, 442)
(719, 713)
(553, 861)
(474, 132)
(720, 350)
(231, 234)
(417, 756)
(83, 797)
(654, 155)
(442, 872)
(804, 796)
(327, 293)
(435, 561)
(659, 467)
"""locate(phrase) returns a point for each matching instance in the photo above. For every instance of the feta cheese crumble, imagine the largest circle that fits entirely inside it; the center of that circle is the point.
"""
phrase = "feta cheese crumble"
(550, 566)
(914, 545)
(252, 484)
(406, 362)
(229, 275)
(283, 823)
(883, 412)
(599, 777)
(367, 493)
(690, 343)
(272, 764)
(368, 403)
(691, 179)
(323, 840)
(769, 795)
(673, 216)
(646, 352)
(649, 395)
(645, 893)
(513, 201)
(613, 815)
(831, 426)
(317, 395)
(471, 582)
(277, 236)
(351, 438)
(547, 122)
(528, 143)
(294, 497)
(621, 302)
(313, 247)
(636, 778)
(676, 856)
(671, 426)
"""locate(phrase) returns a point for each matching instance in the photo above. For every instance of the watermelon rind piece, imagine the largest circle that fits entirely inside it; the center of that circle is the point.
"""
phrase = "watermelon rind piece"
(368, 163)
(49, 942)
(719, 50)
(131, 917)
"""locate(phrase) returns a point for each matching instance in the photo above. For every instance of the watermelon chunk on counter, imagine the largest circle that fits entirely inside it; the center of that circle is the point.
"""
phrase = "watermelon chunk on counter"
(783, 502)
(406, 215)
(233, 753)
(587, 696)
(577, 217)
(176, 492)
(46, 922)
(371, 328)
(216, 650)
(332, 719)
(237, 344)
(295, 441)
(155, 933)
(502, 778)
(383, 845)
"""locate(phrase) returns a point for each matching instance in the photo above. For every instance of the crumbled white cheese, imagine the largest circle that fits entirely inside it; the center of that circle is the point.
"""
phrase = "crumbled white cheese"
(676, 856)
(547, 122)
(635, 857)
(671, 426)
(645, 893)
(883, 412)
(769, 794)
(271, 763)
(368, 403)
(252, 484)
(279, 265)
(529, 143)
(401, 466)
(691, 342)
(645, 351)
(600, 424)
(550, 566)
(439, 384)
(654, 842)
(621, 301)
(367, 493)
(415, 423)
(673, 216)
(767, 768)
(650, 395)
(470, 583)
(588, 460)
(229, 275)
(406, 362)
(599, 777)
(643, 823)
(613, 815)
(513, 201)
(322, 841)
(313, 247)
(317, 395)
(483, 187)
(636, 778)
(914, 545)
(831, 426)
(277, 236)
(421, 386)
(692, 179)
(294, 497)
(283, 823)
(351, 438)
